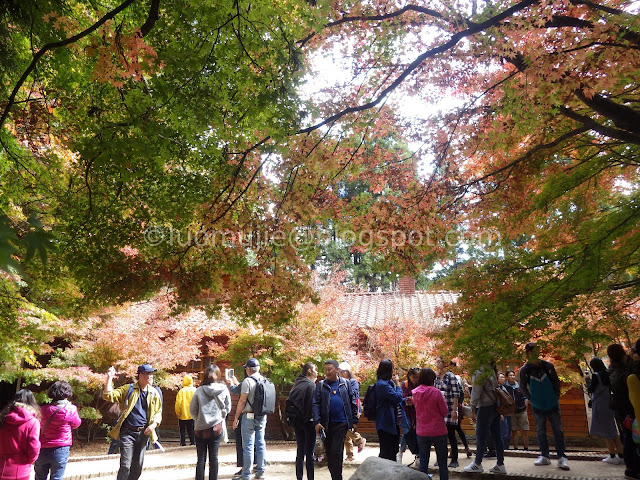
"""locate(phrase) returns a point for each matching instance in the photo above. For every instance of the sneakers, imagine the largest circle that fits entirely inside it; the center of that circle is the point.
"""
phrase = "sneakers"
(563, 463)
(258, 476)
(630, 475)
(542, 460)
(362, 444)
(613, 460)
(473, 467)
(454, 464)
(498, 469)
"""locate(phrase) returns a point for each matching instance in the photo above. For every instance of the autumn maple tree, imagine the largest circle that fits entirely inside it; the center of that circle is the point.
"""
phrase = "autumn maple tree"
(153, 144)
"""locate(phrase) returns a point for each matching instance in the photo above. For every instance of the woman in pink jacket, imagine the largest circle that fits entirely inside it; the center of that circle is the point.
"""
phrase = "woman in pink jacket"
(19, 436)
(430, 427)
(58, 419)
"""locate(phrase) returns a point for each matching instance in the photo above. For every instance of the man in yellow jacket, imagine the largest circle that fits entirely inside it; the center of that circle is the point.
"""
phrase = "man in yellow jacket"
(141, 414)
(183, 400)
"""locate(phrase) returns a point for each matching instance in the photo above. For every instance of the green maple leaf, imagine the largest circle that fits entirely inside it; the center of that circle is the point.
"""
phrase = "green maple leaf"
(38, 240)
(8, 240)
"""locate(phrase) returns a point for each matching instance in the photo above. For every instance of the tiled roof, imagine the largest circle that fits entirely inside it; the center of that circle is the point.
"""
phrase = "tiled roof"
(367, 309)
(374, 309)
(158, 307)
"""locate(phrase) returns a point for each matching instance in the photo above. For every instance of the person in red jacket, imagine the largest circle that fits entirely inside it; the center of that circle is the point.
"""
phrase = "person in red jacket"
(19, 436)
(58, 419)
(431, 408)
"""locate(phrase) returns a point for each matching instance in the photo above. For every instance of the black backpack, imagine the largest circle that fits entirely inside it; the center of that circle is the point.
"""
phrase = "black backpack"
(293, 415)
(264, 397)
(369, 404)
(518, 398)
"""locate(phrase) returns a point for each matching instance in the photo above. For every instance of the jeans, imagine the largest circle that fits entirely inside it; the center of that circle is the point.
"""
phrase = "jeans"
(186, 428)
(306, 442)
(253, 437)
(556, 427)
(405, 426)
(440, 444)
(132, 447)
(505, 431)
(52, 460)
(334, 448)
(389, 445)
(202, 446)
(488, 422)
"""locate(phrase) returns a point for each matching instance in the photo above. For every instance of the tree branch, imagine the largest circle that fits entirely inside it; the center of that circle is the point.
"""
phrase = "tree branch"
(457, 37)
(386, 16)
(154, 15)
(54, 45)
(591, 124)
(370, 18)
(144, 30)
(529, 154)
(622, 116)
(598, 6)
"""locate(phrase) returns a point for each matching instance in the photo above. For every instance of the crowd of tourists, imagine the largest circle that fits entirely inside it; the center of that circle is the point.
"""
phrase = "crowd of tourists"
(422, 411)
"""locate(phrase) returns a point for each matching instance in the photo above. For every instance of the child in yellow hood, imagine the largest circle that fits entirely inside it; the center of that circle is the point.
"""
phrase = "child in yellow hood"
(183, 400)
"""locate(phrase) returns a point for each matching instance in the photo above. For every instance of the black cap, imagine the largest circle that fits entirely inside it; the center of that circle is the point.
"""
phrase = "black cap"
(530, 346)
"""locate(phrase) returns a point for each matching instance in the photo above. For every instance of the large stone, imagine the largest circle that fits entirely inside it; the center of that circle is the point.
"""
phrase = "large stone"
(375, 468)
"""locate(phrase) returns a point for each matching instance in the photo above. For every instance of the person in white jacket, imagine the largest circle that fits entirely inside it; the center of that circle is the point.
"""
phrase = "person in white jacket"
(210, 405)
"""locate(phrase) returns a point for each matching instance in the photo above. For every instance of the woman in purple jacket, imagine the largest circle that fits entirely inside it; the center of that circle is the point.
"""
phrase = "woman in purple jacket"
(58, 419)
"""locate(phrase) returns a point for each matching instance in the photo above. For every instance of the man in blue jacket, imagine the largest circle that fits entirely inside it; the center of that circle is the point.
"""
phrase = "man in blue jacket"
(334, 412)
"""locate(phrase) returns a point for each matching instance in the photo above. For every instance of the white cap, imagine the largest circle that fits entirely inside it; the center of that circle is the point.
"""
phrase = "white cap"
(344, 366)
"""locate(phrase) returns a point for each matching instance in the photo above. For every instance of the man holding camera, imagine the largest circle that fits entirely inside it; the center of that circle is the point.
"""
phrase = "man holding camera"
(141, 415)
